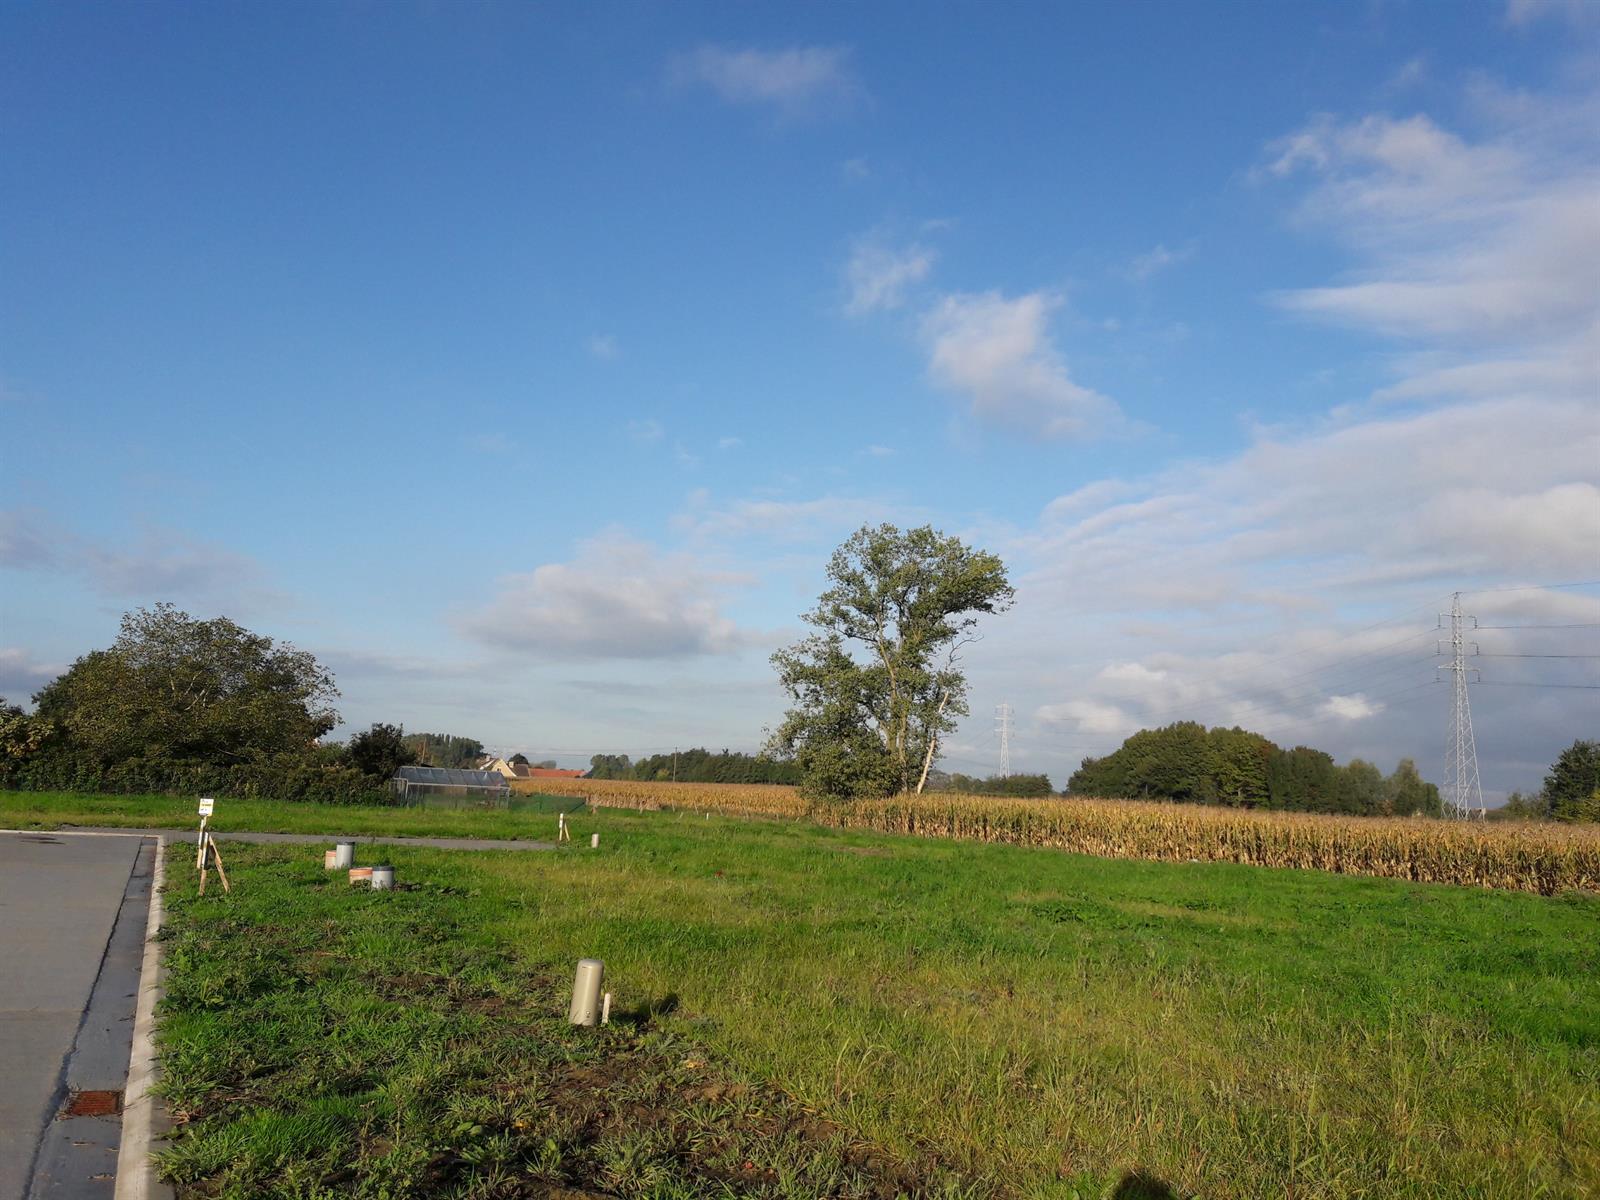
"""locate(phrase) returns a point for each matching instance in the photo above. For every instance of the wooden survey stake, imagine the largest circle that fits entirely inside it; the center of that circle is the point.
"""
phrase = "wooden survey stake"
(206, 849)
(210, 855)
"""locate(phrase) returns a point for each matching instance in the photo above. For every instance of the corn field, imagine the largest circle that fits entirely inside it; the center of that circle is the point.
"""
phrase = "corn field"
(1520, 857)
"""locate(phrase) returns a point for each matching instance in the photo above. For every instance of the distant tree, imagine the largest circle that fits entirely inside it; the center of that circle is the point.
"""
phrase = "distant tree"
(380, 751)
(1572, 788)
(444, 749)
(1406, 793)
(700, 765)
(173, 687)
(1239, 760)
(518, 760)
(999, 785)
(1359, 789)
(877, 686)
(1520, 807)
(610, 766)
(1302, 780)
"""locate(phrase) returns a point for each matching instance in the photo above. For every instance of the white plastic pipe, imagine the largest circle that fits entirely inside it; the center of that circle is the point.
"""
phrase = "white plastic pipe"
(382, 878)
(586, 983)
(344, 855)
(594, 841)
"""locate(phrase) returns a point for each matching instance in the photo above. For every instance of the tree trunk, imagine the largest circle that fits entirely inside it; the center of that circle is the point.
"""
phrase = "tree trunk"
(933, 740)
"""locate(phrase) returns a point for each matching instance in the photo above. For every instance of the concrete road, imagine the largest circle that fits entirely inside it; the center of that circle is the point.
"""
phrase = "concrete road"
(72, 924)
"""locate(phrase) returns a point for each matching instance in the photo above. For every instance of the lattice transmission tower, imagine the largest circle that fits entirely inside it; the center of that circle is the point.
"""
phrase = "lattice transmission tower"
(1002, 726)
(1463, 794)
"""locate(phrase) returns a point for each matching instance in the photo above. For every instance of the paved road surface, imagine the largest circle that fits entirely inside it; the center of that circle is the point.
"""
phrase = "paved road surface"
(328, 839)
(72, 924)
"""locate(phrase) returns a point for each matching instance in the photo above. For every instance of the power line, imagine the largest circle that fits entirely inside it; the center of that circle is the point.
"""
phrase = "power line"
(1533, 587)
(1482, 655)
(1575, 625)
(1579, 687)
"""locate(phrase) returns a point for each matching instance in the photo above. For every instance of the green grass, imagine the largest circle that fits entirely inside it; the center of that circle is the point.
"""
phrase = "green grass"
(1035, 1022)
(319, 1040)
(530, 817)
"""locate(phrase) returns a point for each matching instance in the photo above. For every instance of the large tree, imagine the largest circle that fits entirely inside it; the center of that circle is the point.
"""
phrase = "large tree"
(1572, 789)
(879, 683)
(173, 687)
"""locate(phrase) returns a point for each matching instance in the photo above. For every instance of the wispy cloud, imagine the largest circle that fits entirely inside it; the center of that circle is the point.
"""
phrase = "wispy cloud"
(646, 429)
(998, 352)
(489, 443)
(792, 80)
(1478, 255)
(603, 346)
(156, 564)
(878, 276)
(1155, 260)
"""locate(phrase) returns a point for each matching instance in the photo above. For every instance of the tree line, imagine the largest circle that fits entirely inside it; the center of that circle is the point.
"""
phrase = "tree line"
(1189, 764)
(696, 765)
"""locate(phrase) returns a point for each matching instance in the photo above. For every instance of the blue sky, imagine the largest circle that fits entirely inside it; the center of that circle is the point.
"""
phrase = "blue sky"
(526, 362)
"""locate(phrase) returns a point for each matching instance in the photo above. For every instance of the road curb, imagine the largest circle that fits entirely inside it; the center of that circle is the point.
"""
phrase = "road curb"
(136, 1168)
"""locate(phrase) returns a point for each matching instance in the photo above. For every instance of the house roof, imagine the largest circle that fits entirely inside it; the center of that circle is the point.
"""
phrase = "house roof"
(548, 773)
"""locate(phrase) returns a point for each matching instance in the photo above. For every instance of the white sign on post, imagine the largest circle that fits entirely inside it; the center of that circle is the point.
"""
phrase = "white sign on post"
(207, 807)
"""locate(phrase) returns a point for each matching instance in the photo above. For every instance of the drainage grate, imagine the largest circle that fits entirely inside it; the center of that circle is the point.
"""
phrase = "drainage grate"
(93, 1104)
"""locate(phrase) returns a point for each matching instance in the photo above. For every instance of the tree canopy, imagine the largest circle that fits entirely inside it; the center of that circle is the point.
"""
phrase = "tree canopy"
(173, 687)
(878, 684)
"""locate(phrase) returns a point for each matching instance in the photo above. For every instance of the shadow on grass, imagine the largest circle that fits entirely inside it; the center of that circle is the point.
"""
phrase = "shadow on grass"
(1141, 1185)
(642, 1015)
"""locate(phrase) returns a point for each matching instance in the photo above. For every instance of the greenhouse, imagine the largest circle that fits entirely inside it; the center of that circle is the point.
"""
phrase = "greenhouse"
(450, 787)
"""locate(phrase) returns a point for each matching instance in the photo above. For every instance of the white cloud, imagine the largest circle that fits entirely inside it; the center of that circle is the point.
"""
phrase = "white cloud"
(879, 451)
(1351, 708)
(793, 80)
(729, 443)
(878, 276)
(618, 599)
(603, 346)
(1087, 716)
(998, 352)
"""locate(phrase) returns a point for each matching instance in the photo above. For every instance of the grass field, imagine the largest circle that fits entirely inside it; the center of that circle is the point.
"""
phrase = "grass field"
(1020, 1021)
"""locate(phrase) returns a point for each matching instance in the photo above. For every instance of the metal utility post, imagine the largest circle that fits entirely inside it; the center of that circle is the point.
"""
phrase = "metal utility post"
(1002, 726)
(1463, 794)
